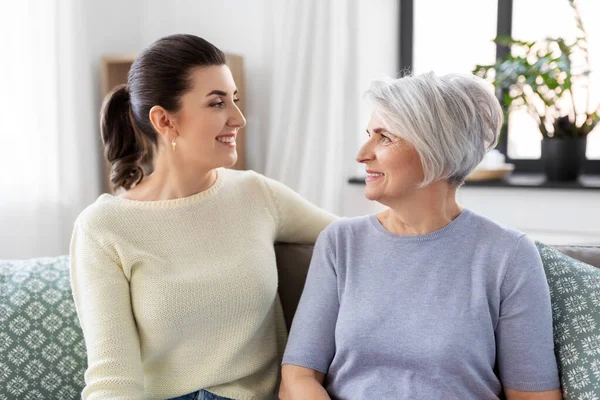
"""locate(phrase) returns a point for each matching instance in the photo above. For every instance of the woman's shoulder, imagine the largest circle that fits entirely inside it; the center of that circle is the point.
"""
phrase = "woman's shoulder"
(251, 177)
(348, 227)
(486, 228)
(100, 213)
(244, 180)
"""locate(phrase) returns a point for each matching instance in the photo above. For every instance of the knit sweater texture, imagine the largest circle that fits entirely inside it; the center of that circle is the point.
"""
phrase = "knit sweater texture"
(179, 295)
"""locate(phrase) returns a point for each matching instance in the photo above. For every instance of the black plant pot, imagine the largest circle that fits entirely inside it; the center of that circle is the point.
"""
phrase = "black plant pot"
(563, 158)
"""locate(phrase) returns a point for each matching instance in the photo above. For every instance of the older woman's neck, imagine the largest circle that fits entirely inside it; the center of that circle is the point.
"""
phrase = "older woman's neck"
(423, 211)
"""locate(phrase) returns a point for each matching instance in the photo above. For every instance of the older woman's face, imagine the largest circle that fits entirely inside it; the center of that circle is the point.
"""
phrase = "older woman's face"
(393, 165)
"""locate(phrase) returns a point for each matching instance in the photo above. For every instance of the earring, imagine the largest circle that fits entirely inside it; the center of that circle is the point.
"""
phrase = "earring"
(174, 144)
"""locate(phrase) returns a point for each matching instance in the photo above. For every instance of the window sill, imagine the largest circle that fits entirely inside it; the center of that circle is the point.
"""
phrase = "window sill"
(526, 181)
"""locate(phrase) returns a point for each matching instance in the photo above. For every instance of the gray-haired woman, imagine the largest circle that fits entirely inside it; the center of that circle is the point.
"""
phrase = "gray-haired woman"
(425, 300)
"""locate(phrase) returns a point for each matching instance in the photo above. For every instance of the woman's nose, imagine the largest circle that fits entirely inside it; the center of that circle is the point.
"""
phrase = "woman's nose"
(237, 118)
(365, 153)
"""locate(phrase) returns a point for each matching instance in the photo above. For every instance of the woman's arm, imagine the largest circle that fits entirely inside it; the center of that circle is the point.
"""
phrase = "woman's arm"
(300, 383)
(311, 344)
(518, 395)
(298, 220)
(524, 340)
(102, 299)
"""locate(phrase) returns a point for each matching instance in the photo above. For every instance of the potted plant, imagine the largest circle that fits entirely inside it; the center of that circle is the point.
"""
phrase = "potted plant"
(543, 77)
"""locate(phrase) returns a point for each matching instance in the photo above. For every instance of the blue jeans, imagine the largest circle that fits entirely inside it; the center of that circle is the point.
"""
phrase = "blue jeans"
(201, 395)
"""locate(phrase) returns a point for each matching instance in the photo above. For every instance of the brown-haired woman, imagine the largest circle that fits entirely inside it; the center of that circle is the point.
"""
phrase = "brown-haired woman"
(175, 280)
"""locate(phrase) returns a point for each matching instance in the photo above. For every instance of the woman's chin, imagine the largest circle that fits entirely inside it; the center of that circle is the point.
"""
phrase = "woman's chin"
(230, 160)
(372, 195)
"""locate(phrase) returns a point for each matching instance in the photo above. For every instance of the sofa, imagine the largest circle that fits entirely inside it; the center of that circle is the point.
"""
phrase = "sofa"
(42, 353)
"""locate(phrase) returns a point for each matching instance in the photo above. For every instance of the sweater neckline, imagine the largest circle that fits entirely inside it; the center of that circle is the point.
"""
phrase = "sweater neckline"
(424, 237)
(191, 199)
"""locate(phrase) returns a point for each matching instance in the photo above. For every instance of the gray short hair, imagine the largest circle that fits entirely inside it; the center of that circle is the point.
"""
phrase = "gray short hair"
(452, 120)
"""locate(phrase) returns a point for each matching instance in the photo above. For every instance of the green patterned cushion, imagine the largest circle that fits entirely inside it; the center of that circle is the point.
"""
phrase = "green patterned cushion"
(575, 294)
(42, 352)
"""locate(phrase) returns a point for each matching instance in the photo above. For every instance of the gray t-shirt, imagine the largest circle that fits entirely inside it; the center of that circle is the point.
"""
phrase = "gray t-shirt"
(453, 314)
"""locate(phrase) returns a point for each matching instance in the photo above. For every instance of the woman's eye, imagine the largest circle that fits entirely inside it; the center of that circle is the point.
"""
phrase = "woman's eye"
(385, 139)
(218, 105)
(236, 100)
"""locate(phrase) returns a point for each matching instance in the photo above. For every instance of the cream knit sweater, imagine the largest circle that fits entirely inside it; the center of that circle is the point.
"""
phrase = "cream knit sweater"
(180, 295)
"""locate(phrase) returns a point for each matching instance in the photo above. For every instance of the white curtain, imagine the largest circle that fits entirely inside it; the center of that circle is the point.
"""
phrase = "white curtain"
(314, 97)
(46, 176)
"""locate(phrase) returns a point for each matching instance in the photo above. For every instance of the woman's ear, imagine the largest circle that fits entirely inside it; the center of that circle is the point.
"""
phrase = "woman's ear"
(161, 121)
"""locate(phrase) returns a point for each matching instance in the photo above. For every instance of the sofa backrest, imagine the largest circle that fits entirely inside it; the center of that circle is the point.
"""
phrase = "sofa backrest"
(42, 353)
(292, 267)
(588, 254)
(293, 261)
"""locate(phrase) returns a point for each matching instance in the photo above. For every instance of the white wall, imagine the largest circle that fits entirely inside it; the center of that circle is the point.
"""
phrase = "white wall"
(378, 57)
(378, 48)
(103, 27)
(88, 30)
(552, 216)
(113, 27)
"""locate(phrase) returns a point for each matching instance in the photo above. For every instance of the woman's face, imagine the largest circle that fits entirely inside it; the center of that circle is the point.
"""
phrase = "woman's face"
(208, 121)
(393, 165)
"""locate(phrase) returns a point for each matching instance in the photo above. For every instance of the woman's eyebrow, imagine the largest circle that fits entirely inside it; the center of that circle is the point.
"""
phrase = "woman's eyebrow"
(220, 93)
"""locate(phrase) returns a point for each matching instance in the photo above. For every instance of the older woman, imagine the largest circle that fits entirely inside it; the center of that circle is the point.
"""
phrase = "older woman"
(425, 300)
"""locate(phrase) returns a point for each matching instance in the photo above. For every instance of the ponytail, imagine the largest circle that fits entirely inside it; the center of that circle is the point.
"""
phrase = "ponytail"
(124, 147)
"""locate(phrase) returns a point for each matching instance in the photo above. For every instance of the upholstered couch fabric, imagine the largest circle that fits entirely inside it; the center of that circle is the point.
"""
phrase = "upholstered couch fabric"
(42, 353)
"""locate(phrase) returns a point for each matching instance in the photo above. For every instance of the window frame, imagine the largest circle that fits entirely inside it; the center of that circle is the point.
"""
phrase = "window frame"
(504, 28)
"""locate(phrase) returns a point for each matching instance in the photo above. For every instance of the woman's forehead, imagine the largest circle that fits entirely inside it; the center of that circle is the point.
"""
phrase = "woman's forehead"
(213, 78)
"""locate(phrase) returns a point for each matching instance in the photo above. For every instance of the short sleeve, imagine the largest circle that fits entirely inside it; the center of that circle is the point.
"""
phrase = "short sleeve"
(524, 340)
(311, 343)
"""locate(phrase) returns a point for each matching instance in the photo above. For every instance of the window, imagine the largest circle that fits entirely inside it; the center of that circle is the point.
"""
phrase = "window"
(557, 20)
(433, 41)
(459, 50)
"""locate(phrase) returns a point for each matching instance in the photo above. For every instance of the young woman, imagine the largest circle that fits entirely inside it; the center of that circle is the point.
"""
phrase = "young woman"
(175, 280)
